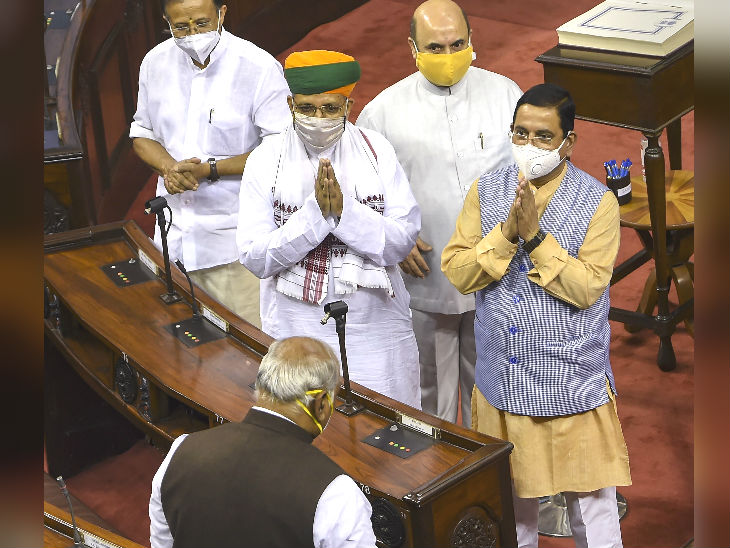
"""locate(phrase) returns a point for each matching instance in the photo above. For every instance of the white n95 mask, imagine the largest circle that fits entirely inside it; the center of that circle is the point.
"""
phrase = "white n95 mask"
(199, 46)
(318, 134)
(536, 162)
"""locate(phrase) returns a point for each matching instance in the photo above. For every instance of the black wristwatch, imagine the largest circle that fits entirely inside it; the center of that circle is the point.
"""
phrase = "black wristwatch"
(213, 177)
(536, 241)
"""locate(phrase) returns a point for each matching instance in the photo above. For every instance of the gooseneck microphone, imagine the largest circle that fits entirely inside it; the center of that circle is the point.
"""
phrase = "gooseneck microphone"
(196, 310)
(77, 535)
(338, 311)
(157, 205)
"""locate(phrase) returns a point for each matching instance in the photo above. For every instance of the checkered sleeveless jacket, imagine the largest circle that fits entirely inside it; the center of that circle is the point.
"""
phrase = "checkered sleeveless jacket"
(538, 355)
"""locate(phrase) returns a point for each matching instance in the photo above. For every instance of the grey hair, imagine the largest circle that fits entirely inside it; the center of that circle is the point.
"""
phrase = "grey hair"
(285, 379)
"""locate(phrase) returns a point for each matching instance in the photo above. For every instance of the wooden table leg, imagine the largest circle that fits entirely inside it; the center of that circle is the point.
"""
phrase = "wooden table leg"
(654, 162)
(674, 141)
(683, 280)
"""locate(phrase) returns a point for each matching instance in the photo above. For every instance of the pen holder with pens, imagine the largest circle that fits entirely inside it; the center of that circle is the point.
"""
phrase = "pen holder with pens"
(621, 187)
(618, 179)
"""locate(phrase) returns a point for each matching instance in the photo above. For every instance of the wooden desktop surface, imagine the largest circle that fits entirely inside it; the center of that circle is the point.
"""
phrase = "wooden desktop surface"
(97, 321)
(58, 533)
(215, 377)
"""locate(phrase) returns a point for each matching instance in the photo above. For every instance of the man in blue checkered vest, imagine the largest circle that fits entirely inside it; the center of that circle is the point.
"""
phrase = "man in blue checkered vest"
(537, 242)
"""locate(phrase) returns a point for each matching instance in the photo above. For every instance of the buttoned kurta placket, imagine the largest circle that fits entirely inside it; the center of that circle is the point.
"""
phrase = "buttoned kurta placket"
(195, 113)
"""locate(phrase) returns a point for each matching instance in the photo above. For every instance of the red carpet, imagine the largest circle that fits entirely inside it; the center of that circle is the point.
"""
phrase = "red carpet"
(118, 490)
(655, 407)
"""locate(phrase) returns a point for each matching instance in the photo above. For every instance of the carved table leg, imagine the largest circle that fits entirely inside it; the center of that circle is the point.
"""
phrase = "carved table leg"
(654, 161)
(685, 291)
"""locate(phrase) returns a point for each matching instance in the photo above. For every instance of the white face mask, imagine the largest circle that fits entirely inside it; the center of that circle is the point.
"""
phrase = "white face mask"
(318, 134)
(198, 46)
(536, 162)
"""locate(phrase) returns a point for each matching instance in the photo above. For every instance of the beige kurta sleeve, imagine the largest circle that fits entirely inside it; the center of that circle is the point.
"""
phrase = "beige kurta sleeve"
(469, 261)
(580, 281)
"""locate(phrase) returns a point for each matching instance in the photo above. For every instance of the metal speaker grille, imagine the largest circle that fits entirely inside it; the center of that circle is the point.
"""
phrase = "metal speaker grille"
(125, 380)
(387, 524)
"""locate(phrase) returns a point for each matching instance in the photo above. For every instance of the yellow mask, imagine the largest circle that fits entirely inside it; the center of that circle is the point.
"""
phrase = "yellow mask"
(444, 69)
(306, 410)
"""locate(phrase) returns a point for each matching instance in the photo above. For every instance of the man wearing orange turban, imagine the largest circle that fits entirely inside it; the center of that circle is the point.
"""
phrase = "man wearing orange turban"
(326, 214)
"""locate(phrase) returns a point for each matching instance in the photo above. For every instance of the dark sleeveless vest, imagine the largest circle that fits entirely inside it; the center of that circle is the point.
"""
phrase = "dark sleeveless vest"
(254, 483)
(536, 354)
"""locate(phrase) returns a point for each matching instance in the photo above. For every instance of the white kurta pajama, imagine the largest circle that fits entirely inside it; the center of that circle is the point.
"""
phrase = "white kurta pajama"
(445, 138)
(381, 347)
(220, 111)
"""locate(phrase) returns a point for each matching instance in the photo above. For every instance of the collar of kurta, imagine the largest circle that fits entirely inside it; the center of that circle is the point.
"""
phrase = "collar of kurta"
(545, 193)
(277, 423)
(549, 188)
(442, 90)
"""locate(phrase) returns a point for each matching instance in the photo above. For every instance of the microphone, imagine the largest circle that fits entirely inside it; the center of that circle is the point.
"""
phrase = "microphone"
(77, 535)
(157, 206)
(196, 310)
(337, 308)
(338, 311)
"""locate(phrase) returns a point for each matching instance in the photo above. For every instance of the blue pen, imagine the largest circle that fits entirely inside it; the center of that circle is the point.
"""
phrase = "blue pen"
(614, 170)
(626, 164)
(608, 170)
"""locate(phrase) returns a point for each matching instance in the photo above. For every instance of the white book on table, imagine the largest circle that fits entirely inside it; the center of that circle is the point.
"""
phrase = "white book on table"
(654, 28)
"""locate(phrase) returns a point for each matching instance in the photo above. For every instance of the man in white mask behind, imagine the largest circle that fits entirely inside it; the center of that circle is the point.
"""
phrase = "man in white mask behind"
(446, 123)
(206, 99)
(537, 242)
(326, 214)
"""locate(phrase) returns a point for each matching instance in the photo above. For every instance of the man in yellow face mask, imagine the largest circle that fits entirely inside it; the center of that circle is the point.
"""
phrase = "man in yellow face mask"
(447, 124)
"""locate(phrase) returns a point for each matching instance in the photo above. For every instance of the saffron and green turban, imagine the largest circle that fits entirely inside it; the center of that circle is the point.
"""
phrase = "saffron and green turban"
(321, 71)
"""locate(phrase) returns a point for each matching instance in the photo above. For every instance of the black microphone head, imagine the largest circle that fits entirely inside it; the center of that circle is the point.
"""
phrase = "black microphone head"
(155, 205)
(60, 482)
(336, 308)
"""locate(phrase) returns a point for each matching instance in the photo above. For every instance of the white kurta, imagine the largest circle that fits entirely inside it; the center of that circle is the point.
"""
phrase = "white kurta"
(445, 138)
(381, 348)
(220, 111)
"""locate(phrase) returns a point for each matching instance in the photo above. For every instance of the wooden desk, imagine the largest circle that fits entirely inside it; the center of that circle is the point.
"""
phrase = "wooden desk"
(58, 533)
(457, 492)
(646, 94)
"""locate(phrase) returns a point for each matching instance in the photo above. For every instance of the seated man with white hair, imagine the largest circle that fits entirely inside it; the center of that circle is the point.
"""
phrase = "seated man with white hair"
(260, 482)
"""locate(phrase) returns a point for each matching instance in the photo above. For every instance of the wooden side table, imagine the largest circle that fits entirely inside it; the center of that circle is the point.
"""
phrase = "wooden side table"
(680, 215)
(647, 94)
